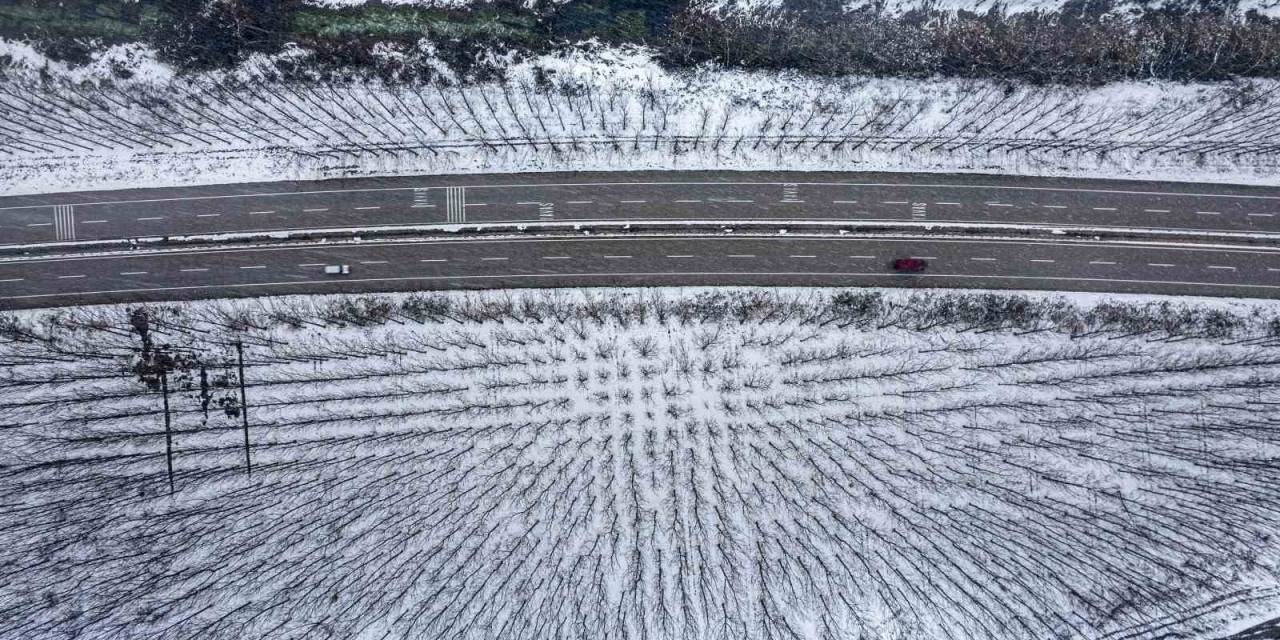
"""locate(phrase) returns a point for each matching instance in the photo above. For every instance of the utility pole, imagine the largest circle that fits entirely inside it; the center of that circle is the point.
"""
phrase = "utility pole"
(244, 410)
(168, 431)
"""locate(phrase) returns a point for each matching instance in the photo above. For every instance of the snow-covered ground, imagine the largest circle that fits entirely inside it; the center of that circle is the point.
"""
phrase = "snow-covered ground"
(601, 108)
(736, 463)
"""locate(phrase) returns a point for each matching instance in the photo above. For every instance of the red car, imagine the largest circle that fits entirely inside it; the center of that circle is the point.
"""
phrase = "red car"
(910, 265)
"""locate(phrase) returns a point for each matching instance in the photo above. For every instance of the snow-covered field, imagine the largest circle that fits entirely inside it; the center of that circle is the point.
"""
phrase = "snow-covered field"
(705, 464)
(609, 109)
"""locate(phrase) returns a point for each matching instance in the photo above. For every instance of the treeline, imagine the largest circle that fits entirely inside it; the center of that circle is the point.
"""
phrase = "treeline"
(1082, 43)
(1072, 46)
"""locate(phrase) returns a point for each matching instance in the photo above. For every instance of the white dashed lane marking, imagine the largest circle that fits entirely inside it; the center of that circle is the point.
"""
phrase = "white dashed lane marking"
(555, 257)
(617, 257)
(1100, 262)
(433, 260)
(12, 280)
(1156, 210)
(258, 213)
(803, 256)
(367, 208)
(192, 270)
(92, 221)
(207, 215)
(680, 256)
(133, 273)
(1041, 260)
(1159, 264)
(493, 259)
(1221, 268)
(40, 224)
(315, 210)
(151, 218)
(983, 259)
(373, 262)
(256, 266)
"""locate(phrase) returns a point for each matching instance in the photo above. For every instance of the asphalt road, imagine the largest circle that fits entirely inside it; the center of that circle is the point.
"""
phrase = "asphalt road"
(595, 197)
(642, 260)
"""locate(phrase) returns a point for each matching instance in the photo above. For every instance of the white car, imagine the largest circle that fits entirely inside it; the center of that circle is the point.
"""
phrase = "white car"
(337, 269)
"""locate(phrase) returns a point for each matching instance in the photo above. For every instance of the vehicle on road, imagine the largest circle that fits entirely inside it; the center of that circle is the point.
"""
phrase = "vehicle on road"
(910, 265)
(337, 269)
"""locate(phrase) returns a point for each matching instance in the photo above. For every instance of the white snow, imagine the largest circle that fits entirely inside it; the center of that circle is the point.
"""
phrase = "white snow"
(710, 463)
(609, 108)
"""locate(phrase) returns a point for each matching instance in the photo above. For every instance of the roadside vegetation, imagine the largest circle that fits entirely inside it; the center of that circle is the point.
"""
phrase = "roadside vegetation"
(1078, 43)
(732, 463)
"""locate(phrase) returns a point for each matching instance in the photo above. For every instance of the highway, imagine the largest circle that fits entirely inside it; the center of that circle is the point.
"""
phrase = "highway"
(576, 260)
(586, 198)
(641, 260)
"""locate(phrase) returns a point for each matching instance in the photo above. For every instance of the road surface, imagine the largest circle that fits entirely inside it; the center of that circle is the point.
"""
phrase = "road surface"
(638, 260)
(642, 260)
(595, 197)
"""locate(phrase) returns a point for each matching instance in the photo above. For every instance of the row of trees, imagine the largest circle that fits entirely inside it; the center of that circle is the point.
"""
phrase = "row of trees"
(1082, 42)
(1071, 46)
